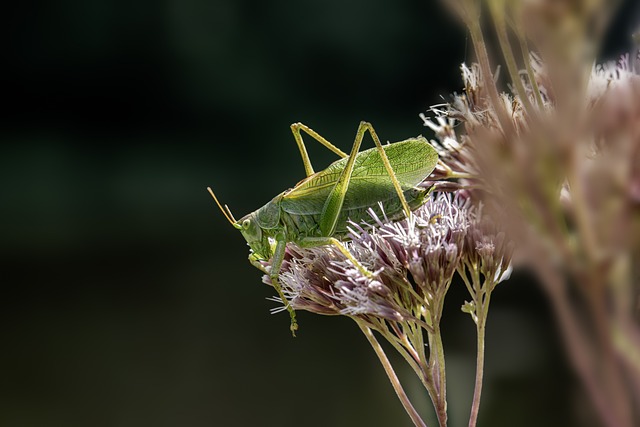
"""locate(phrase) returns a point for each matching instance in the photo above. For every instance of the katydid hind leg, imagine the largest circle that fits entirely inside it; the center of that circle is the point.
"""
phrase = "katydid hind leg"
(388, 167)
(276, 265)
(295, 129)
(335, 200)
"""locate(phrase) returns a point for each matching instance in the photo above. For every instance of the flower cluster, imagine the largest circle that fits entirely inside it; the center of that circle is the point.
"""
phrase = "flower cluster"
(408, 268)
(412, 263)
(409, 261)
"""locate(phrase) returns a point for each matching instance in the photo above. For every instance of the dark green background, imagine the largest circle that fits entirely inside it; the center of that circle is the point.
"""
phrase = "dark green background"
(127, 298)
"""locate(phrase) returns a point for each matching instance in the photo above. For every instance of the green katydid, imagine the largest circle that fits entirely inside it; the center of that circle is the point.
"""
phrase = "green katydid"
(317, 210)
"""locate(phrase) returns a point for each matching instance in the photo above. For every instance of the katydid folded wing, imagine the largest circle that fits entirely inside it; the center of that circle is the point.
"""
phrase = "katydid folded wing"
(412, 161)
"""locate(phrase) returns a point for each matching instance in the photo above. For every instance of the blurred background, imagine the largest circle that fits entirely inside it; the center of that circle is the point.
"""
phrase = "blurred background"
(128, 299)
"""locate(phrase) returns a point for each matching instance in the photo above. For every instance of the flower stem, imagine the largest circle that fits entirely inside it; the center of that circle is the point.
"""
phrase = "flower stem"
(497, 13)
(461, 175)
(527, 62)
(395, 382)
(441, 378)
(480, 328)
(485, 67)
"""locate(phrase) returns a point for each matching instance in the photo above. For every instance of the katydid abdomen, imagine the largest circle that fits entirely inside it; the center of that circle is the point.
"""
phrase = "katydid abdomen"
(299, 226)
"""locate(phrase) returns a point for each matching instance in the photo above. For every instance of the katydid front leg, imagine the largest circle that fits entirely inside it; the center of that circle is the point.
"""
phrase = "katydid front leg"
(278, 259)
(255, 261)
(276, 265)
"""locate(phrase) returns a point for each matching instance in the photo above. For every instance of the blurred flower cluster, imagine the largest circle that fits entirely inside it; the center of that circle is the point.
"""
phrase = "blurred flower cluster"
(539, 167)
(554, 150)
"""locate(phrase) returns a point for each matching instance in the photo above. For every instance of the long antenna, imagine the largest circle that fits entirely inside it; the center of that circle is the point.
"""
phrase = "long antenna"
(227, 213)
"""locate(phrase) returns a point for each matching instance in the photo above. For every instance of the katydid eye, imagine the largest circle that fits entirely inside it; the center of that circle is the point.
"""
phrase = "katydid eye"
(246, 223)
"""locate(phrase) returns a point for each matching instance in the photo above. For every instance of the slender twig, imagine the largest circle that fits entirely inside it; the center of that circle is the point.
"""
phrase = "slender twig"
(437, 355)
(418, 365)
(524, 49)
(416, 360)
(483, 307)
(460, 175)
(497, 13)
(395, 382)
(487, 76)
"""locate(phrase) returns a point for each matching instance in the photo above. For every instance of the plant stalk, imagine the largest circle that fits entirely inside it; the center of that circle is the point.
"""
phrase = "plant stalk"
(440, 377)
(475, 406)
(395, 382)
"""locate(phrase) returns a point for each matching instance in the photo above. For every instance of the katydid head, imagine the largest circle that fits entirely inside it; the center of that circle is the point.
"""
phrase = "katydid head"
(255, 227)
(257, 240)
(258, 226)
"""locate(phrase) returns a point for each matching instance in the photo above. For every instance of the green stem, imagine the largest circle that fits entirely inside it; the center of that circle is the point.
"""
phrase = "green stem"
(497, 13)
(395, 382)
(527, 62)
(487, 76)
(458, 175)
(440, 377)
(412, 359)
(480, 329)
(462, 272)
